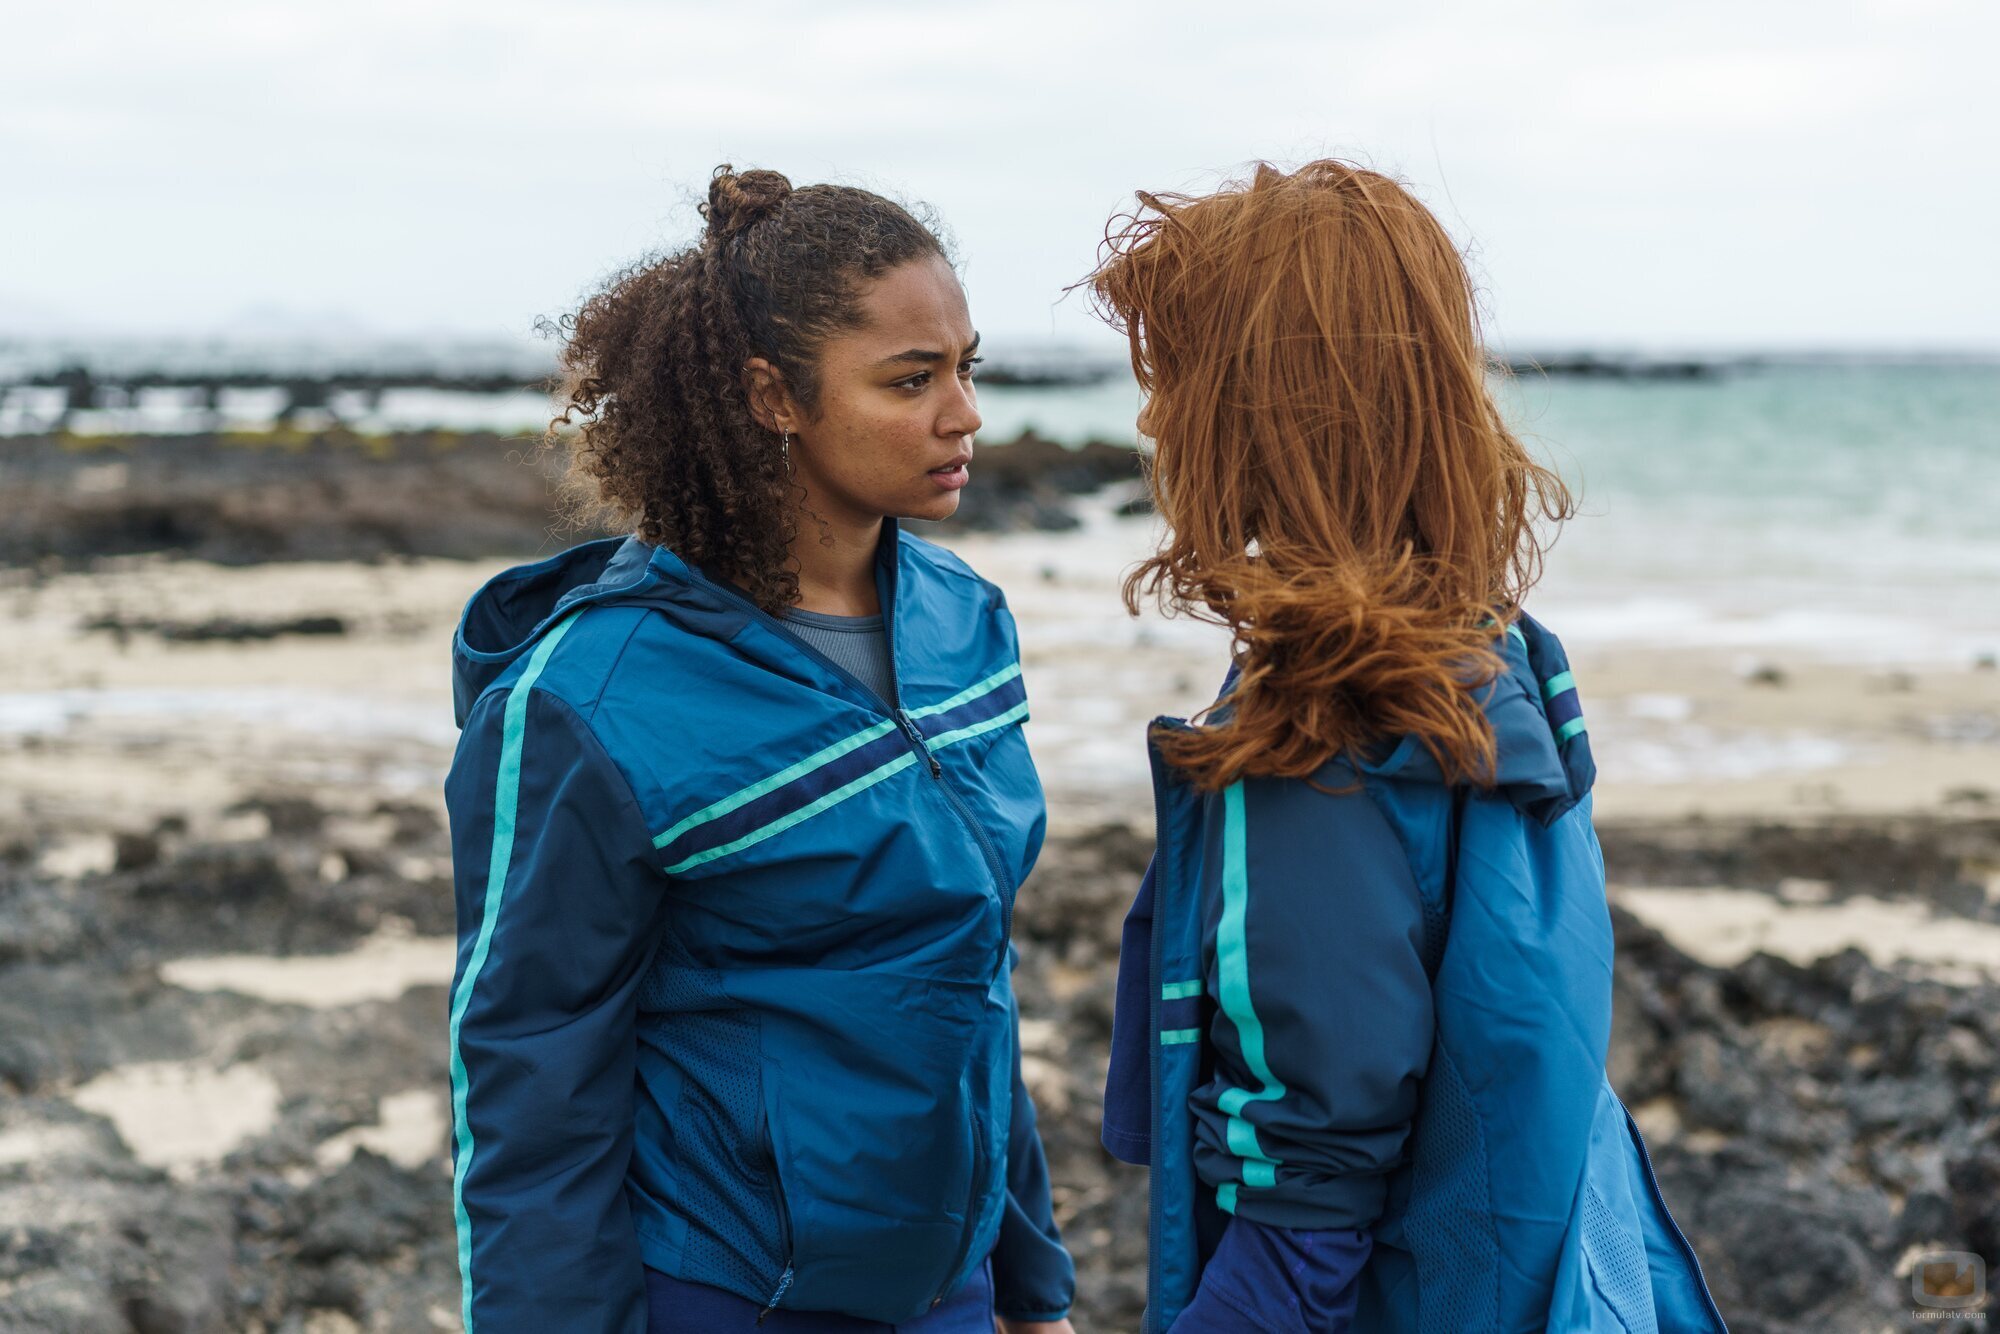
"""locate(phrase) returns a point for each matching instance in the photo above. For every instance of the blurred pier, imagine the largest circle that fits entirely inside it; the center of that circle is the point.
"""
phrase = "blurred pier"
(87, 390)
(55, 395)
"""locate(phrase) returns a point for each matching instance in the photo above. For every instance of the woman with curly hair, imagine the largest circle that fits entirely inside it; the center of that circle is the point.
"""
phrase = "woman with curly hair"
(1364, 999)
(738, 814)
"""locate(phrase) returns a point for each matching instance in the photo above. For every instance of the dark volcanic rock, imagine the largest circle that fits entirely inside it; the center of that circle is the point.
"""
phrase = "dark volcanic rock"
(1826, 1120)
(297, 891)
(1811, 1126)
(333, 495)
(226, 629)
(1936, 861)
(90, 1241)
(287, 496)
(1029, 482)
(60, 1025)
(1066, 921)
(370, 1209)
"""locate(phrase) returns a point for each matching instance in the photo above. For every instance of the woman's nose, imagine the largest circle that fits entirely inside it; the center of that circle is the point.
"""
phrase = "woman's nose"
(961, 416)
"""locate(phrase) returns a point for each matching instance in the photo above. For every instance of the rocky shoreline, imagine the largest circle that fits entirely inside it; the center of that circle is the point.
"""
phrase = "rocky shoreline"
(281, 495)
(226, 912)
(1813, 1126)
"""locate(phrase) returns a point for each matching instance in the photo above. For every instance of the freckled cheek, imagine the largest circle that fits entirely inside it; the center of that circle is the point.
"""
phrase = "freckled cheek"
(877, 449)
(901, 444)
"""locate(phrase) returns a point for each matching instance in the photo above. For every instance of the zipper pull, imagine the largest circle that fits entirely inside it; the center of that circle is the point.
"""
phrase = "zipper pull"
(784, 1282)
(916, 737)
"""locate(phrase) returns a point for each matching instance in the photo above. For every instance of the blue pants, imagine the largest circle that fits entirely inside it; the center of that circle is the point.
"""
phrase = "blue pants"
(674, 1306)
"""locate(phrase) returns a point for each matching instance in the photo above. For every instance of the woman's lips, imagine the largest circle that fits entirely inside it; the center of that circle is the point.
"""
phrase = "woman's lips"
(950, 478)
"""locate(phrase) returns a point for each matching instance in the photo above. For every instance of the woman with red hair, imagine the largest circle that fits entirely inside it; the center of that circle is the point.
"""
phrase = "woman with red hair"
(1364, 1000)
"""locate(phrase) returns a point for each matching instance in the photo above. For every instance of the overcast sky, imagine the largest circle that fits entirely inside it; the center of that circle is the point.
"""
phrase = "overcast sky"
(1787, 172)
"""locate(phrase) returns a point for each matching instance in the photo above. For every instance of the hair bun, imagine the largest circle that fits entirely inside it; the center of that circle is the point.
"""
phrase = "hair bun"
(737, 201)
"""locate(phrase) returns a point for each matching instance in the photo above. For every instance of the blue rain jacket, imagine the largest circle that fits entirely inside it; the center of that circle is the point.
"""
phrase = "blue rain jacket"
(732, 998)
(1361, 1037)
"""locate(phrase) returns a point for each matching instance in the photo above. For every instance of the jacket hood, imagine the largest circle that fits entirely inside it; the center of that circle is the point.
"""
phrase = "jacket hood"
(514, 608)
(1544, 763)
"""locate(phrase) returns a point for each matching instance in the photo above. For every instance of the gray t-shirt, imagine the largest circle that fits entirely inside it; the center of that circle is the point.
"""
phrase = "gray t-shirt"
(857, 643)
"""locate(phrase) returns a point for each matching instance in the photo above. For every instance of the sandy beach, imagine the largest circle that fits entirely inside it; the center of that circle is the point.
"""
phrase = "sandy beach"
(1689, 733)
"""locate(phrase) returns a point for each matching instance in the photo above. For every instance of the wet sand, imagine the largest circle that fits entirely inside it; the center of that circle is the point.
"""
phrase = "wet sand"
(1678, 734)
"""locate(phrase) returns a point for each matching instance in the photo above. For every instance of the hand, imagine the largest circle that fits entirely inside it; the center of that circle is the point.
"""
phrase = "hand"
(1007, 1326)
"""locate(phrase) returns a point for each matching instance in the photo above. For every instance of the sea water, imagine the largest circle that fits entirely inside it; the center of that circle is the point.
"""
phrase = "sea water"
(1844, 509)
(1853, 509)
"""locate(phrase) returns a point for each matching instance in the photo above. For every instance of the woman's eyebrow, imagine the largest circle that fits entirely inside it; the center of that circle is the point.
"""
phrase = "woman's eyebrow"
(925, 357)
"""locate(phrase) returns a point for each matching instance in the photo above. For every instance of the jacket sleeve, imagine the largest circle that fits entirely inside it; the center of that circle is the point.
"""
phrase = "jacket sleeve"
(558, 906)
(1313, 927)
(1034, 1277)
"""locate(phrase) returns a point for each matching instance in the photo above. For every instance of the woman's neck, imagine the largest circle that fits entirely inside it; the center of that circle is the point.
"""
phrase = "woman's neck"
(837, 577)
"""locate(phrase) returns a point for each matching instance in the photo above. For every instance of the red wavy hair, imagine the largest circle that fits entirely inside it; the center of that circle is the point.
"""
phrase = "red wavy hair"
(1337, 485)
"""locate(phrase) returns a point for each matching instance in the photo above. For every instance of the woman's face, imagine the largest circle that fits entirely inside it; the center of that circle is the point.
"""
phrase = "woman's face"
(897, 412)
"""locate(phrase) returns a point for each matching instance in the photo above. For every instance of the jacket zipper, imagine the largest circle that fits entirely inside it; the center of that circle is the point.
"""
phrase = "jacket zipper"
(784, 1221)
(784, 1285)
(916, 739)
(1679, 1236)
(971, 1200)
(978, 832)
(911, 733)
(921, 748)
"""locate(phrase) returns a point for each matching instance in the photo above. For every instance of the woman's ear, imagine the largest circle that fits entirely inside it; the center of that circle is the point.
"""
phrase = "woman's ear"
(770, 400)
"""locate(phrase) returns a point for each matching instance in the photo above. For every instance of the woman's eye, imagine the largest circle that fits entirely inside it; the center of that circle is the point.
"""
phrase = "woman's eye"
(917, 381)
(965, 367)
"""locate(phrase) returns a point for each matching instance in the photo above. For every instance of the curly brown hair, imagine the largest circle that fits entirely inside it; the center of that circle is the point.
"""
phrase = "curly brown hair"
(652, 367)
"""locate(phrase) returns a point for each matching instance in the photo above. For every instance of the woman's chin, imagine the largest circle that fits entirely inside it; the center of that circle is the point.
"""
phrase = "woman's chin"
(934, 508)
